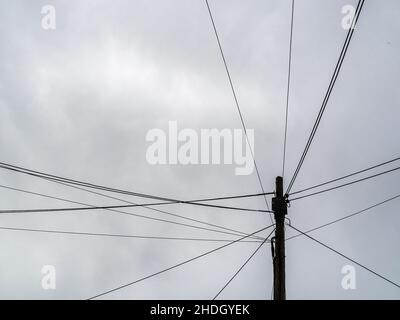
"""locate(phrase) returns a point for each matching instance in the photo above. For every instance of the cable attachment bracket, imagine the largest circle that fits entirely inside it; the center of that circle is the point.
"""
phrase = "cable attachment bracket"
(279, 205)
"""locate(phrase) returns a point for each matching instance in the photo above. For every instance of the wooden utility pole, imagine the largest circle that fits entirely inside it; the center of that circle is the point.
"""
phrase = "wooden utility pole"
(279, 206)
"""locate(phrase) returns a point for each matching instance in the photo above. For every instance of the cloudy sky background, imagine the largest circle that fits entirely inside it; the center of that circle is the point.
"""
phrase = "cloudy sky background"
(78, 102)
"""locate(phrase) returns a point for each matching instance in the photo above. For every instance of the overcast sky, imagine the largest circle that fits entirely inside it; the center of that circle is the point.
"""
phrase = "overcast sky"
(78, 101)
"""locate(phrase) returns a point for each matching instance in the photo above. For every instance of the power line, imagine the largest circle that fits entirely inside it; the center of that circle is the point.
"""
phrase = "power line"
(243, 265)
(149, 206)
(233, 197)
(346, 176)
(226, 207)
(63, 232)
(51, 177)
(288, 90)
(170, 213)
(347, 184)
(67, 181)
(236, 101)
(346, 257)
(234, 232)
(116, 207)
(154, 209)
(347, 216)
(328, 93)
(71, 183)
(54, 178)
(41, 210)
(177, 265)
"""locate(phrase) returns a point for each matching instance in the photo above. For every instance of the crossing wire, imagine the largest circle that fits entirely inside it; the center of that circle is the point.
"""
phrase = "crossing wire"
(328, 93)
(362, 211)
(288, 90)
(177, 265)
(197, 202)
(14, 211)
(243, 265)
(346, 257)
(234, 232)
(114, 235)
(346, 176)
(72, 183)
(236, 101)
(347, 184)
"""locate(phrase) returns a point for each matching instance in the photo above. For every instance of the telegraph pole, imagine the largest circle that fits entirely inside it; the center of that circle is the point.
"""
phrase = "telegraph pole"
(279, 207)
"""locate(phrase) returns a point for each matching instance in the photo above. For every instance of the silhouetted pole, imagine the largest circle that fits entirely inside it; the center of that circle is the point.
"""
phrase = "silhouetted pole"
(279, 206)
